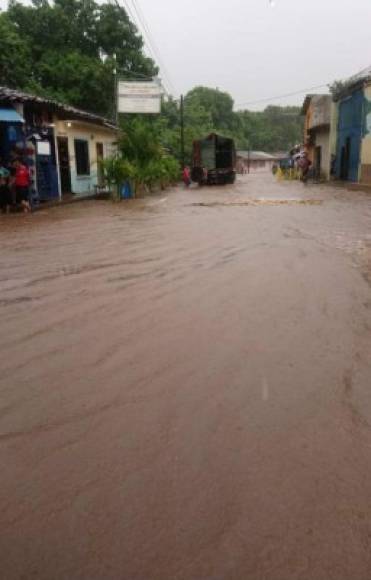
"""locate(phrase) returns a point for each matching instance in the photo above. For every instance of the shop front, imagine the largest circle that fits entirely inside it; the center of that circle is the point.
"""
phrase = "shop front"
(33, 144)
(62, 146)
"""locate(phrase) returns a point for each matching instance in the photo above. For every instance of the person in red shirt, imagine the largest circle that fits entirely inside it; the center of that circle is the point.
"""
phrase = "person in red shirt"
(22, 185)
(187, 176)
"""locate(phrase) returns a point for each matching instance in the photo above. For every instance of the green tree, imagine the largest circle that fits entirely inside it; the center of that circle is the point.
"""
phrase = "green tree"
(141, 146)
(217, 103)
(139, 142)
(76, 79)
(207, 110)
(70, 49)
(15, 57)
(274, 129)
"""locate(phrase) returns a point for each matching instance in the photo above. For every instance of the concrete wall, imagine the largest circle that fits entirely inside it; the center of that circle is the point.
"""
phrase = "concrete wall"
(320, 111)
(317, 121)
(93, 134)
(323, 141)
(334, 128)
(307, 126)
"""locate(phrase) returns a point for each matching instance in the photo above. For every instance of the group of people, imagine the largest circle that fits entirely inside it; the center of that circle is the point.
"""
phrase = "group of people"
(297, 166)
(198, 175)
(15, 183)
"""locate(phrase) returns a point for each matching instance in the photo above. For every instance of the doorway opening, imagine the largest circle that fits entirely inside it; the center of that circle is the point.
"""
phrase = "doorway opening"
(317, 162)
(100, 157)
(64, 165)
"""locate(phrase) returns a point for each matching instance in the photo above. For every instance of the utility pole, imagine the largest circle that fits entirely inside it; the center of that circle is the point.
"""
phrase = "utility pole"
(182, 156)
(248, 160)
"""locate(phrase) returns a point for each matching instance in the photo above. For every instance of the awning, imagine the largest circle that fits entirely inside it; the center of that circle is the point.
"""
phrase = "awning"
(10, 116)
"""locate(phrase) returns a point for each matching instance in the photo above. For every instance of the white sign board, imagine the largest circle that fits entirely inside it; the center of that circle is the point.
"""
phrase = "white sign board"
(139, 97)
(43, 147)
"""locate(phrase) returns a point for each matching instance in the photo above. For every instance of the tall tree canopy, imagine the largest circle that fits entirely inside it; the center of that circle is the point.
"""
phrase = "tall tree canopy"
(218, 104)
(68, 50)
(14, 54)
(274, 129)
(207, 110)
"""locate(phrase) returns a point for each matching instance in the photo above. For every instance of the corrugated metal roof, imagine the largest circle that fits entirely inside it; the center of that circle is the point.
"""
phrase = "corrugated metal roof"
(9, 96)
(10, 116)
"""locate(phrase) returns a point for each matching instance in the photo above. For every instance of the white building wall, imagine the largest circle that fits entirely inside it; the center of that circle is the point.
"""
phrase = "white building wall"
(92, 134)
(323, 141)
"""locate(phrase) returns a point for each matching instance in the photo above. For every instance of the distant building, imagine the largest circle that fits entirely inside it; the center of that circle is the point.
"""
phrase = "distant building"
(353, 144)
(318, 113)
(255, 161)
(61, 145)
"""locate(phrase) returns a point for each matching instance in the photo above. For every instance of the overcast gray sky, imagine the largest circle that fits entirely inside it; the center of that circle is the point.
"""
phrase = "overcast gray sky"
(256, 51)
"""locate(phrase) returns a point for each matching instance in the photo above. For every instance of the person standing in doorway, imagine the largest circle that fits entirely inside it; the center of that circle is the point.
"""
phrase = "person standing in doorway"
(22, 185)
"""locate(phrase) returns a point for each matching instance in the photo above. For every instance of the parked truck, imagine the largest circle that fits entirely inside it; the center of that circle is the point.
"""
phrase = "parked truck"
(214, 160)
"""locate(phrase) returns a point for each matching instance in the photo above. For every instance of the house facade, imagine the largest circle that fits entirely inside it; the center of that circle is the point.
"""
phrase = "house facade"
(255, 161)
(365, 163)
(353, 151)
(81, 146)
(60, 144)
(318, 114)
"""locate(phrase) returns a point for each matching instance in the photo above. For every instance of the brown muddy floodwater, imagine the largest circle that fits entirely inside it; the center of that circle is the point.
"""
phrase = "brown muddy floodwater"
(186, 389)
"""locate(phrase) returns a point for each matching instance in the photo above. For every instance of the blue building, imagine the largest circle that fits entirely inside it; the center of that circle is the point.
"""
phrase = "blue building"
(353, 149)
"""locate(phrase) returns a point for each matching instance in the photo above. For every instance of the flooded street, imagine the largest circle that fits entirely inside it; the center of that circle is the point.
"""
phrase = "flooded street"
(186, 387)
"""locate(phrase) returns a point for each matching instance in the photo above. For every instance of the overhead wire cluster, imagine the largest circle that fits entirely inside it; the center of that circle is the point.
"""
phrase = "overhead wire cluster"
(285, 96)
(136, 15)
(363, 73)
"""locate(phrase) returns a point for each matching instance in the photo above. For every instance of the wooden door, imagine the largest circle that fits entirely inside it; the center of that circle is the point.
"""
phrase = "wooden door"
(100, 157)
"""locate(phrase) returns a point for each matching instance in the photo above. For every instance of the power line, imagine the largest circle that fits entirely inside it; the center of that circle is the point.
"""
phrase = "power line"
(163, 67)
(151, 41)
(363, 72)
(129, 12)
(266, 100)
(134, 75)
(143, 27)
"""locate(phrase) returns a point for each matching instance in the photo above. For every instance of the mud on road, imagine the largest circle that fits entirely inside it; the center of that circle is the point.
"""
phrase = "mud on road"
(185, 387)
